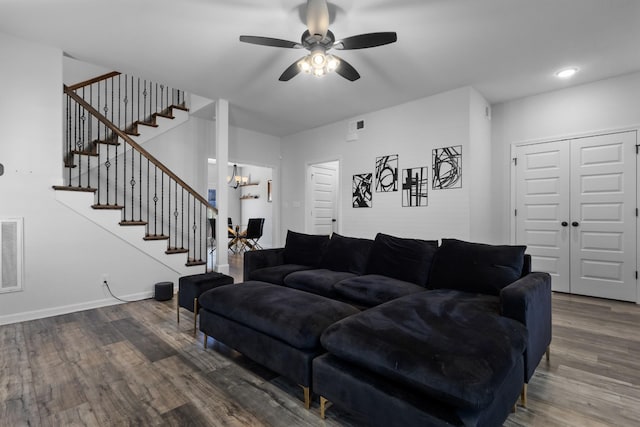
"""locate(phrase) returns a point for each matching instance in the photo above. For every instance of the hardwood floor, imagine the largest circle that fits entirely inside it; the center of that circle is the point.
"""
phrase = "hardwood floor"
(132, 364)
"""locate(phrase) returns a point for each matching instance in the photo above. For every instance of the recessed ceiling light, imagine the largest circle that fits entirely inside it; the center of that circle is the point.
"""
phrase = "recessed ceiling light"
(567, 73)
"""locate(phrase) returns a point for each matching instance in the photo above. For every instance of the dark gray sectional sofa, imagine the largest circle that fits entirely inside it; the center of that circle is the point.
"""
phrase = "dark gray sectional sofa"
(422, 333)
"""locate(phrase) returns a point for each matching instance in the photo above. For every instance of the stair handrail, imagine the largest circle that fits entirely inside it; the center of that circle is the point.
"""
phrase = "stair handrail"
(138, 147)
(93, 80)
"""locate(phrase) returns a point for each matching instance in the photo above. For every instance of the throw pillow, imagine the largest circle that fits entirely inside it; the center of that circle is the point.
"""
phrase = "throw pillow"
(476, 267)
(348, 254)
(304, 249)
(400, 258)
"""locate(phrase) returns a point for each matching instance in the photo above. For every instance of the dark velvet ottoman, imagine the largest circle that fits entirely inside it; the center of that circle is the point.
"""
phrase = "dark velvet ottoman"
(276, 326)
(441, 357)
(191, 287)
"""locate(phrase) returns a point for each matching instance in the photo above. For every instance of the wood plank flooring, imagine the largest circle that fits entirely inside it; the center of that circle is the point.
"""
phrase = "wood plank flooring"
(132, 364)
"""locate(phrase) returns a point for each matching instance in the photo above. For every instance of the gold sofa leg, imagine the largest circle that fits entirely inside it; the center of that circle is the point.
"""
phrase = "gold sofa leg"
(177, 311)
(548, 353)
(206, 338)
(324, 405)
(307, 396)
(523, 395)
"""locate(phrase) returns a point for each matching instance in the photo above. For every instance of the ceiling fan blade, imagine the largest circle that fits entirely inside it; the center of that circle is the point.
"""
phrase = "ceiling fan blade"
(317, 17)
(346, 70)
(363, 41)
(292, 71)
(268, 41)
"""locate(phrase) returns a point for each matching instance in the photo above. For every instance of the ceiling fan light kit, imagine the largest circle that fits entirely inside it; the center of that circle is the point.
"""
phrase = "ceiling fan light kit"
(318, 40)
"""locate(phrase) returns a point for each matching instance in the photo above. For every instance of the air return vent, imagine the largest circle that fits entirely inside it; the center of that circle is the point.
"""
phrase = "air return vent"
(11, 254)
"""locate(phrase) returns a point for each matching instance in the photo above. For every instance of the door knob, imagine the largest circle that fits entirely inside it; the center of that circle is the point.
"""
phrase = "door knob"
(575, 223)
(564, 223)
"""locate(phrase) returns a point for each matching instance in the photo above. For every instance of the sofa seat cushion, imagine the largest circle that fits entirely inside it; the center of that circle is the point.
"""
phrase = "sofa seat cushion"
(449, 344)
(294, 317)
(317, 281)
(403, 259)
(372, 289)
(277, 273)
(476, 267)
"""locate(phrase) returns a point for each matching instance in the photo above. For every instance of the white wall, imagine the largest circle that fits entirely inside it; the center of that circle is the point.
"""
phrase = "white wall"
(611, 104)
(64, 254)
(410, 130)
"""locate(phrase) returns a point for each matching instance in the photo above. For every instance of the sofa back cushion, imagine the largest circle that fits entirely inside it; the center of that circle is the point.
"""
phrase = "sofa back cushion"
(400, 258)
(476, 267)
(348, 254)
(304, 249)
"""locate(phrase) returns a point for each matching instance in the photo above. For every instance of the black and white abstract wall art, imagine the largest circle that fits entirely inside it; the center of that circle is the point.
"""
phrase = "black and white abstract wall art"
(447, 167)
(387, 173)
(414, 187)
(361, 190)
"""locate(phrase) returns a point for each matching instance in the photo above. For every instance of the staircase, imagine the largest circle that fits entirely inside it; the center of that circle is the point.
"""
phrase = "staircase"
(108, 118)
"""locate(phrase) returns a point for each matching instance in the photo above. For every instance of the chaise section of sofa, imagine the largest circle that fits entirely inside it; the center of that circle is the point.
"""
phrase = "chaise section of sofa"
(447, 346)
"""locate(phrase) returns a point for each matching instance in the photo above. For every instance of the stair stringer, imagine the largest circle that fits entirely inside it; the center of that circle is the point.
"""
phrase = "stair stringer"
(80, 203)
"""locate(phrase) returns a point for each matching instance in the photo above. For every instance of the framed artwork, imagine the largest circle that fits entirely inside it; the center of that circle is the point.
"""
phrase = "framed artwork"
(415, 187)
(387, 173)
(361, 190)
(447, 167)
(269, 194)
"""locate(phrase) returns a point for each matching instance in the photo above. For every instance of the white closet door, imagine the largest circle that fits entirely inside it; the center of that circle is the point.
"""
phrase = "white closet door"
(542, 202)
(603, 216)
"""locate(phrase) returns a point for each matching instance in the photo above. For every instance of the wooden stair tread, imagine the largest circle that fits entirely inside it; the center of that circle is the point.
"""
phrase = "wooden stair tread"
(107, 141)
(132, 132)
(153, 125)
(165, 115)
(155, 237)
(107, 207)
(171, 251)
(85, 153)
(69, 188)
(180, 107)
(193, 263)
(128, 223)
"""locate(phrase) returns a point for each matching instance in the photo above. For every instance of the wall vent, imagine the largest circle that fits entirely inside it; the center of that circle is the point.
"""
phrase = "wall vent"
(11, 254)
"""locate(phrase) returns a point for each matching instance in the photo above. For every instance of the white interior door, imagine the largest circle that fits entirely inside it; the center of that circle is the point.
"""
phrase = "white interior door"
(576, 212)
(603, 216)
(323, 204)
(542, 216)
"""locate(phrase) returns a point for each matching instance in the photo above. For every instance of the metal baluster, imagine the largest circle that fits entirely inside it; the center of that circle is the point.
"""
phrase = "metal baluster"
(148, 163)
(155, 201)
(188, 216)
(144, 103)
(69, 158)
(132, 182)
(182, 220)
(162, 203)
(169, 211)
(140, 186)
(115, 139)
(138, 99)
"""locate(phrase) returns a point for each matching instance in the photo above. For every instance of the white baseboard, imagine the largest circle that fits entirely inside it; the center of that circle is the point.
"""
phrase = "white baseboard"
(66, 309)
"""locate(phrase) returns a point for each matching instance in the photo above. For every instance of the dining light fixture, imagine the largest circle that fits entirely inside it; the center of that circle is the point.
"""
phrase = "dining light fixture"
(234, 180)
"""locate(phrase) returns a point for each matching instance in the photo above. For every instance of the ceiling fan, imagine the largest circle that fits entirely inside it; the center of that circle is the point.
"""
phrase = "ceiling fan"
(318, 40)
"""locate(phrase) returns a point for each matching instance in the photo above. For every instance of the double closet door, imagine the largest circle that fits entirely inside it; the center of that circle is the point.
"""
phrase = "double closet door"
(576, 211)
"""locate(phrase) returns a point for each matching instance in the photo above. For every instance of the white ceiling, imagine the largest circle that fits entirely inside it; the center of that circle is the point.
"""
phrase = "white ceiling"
(506, 49)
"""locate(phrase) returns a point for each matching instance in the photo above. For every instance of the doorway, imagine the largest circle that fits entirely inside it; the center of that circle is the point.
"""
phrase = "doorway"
(576, 210)
(322, 197)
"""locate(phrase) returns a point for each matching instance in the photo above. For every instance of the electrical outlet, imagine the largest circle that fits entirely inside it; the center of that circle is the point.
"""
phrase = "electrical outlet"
(105, 279)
